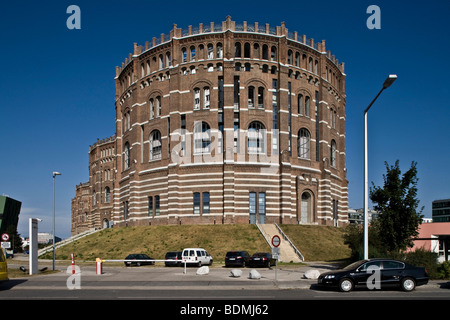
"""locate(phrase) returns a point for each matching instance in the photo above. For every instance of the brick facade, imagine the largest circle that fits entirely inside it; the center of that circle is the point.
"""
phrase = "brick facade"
(224, 123)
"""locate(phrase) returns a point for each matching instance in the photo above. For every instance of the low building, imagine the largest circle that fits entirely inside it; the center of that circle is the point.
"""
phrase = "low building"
(434, 237)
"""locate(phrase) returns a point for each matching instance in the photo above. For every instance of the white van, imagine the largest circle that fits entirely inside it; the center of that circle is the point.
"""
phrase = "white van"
(196, 256)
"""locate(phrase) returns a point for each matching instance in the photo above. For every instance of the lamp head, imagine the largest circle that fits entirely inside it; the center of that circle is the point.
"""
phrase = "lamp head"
(56, 173)
(389, 80)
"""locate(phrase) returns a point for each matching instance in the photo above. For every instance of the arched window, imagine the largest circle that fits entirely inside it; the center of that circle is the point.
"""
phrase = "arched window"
(237, 49)
(158, 106)
(273, 54)
(265, 52)
(247, 50)
(219, 50)
(192, 53)
(307, 106)
(161, 61)
(256, 53)
(184, 54)
(256, 138)
(333, 154)
(202, 138)
(206, 98)
(126, 156)
(152, 109)
(155, 145)
(300, 104)
(290, 56)
(107, 194)
(210, 51)
(251, 96)
(196, 99)
(261, 97)
(168, 60)
(304, 144)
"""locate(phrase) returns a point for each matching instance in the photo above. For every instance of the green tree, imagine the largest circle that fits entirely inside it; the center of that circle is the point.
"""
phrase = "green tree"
(397, 204)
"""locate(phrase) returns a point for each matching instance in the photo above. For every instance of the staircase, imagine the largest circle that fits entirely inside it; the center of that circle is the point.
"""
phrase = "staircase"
(288, 251)
(67, 241)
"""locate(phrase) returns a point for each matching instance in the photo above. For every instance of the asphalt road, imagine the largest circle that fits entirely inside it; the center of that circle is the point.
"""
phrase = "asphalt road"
(170, 292)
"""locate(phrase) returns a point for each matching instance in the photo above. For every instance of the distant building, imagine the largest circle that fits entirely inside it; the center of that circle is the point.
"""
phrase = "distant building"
(441, 210)
(47, 238)
(357, 215)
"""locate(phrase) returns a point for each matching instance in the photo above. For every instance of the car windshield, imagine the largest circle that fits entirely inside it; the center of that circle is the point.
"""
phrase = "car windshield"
(260, 254)
(354, 265)
(233, 254)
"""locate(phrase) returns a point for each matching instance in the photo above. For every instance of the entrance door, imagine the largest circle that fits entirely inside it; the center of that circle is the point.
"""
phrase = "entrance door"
(305, 208)
(257, 207)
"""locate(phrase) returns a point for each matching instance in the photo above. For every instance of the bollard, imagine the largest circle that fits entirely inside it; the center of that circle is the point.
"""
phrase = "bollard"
(99, 269)
(73, 263)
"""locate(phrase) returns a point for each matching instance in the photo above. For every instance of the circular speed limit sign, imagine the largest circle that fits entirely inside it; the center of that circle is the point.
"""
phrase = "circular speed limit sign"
(276, 241)
(5, 237)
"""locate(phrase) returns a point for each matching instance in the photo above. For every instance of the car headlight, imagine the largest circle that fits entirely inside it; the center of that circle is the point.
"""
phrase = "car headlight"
(330, 276)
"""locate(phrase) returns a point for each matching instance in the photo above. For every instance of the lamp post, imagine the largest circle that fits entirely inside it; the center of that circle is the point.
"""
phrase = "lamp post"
(54, 175)
(387, 83)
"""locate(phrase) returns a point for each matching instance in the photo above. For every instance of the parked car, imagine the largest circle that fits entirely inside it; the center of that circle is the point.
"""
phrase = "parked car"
(392, 272)
(237, 258)
(138, 257)
(261, 259)
(196, 256)
(3, 267)
(175, 256)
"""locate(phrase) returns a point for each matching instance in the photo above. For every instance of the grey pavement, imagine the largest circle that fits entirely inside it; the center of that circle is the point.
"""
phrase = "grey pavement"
(175, 278)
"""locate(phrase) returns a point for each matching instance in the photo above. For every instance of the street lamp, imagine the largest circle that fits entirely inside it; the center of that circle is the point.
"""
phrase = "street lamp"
(387, 83)
(54, 175)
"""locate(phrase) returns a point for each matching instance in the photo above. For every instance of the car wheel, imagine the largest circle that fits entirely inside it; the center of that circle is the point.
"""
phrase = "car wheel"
(408, 284)
(345, 285)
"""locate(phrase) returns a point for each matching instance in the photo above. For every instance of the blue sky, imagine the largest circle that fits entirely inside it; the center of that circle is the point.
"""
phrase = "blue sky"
(57, 86)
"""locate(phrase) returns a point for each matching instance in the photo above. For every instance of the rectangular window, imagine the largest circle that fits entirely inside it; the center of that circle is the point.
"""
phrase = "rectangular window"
(196, 203)
(205, 201)
(236, 93)
(221, 93)
(262, 207)
(156, 205)
(196, 99)
(183, 134)
(150, 206)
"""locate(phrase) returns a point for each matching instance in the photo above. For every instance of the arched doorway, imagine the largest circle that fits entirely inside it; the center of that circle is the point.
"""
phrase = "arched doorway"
(306, 207)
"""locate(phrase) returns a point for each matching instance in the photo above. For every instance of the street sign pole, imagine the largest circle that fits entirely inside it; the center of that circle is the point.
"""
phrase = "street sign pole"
(276, 241)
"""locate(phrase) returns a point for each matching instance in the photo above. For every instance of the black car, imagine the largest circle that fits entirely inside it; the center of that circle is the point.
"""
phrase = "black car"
(374, 274)
(237, 258)
(261, 259)
(175, 256)
(138, 257)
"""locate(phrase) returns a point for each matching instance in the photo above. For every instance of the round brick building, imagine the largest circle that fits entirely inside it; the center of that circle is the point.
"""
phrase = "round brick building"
(224, 123)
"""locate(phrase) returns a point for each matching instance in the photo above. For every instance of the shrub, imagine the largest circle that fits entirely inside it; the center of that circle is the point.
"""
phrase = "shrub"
(443, 270)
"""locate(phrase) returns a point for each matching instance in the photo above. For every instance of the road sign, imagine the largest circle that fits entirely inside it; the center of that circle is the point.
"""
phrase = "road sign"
(276, 241)
(6, 245)
(276, 253)
(5, 237)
